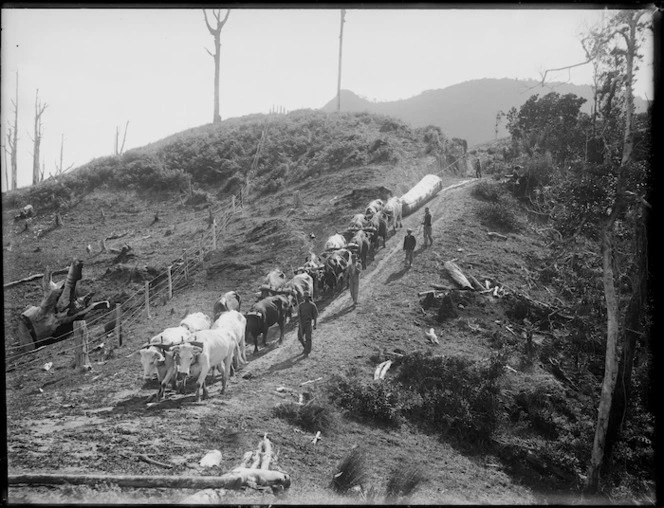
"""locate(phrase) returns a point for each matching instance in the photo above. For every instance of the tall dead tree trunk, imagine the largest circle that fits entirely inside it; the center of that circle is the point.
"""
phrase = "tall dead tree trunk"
(341, 44)
(216, 34)
(12, 140)
(120, 148)
(39, 111)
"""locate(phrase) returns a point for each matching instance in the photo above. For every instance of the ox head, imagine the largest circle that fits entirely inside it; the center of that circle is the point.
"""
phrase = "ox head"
(151, 357)
(184, 356)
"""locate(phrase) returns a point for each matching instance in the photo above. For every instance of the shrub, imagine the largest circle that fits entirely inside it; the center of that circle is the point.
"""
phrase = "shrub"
(402, 482)
(311, 417)
(198, 197)
(499, 216)
(485, 191)
(379, 402)
(456, 395)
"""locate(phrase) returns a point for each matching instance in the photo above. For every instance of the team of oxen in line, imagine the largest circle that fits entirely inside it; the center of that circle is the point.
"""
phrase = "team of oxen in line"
(198, 345)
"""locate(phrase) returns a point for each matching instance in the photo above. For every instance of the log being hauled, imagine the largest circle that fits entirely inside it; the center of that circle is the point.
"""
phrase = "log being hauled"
(457, 275)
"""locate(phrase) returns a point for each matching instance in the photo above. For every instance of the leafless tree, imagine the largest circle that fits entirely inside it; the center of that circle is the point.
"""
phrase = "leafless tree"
(38, 133)
(12, 140)
(60, 169)
(118, 149)
(341, 42)
(216, 34)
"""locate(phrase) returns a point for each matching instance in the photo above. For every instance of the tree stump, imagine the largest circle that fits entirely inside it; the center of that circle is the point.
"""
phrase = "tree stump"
(447, 310)
(53, 319)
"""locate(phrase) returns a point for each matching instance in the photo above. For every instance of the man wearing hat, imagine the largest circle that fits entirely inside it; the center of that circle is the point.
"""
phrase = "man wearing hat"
(307, 312)
(427, 227)
(409, 246)
(354, 277)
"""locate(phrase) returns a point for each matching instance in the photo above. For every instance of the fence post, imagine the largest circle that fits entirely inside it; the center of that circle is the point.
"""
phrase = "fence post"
(170, 282)
(233, 202)
(214, 234)
(82, 360)
(118, 323)
(147, 298)
(186, 267)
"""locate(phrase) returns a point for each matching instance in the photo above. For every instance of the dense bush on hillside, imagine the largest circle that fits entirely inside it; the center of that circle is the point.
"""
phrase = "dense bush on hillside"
(225, 156)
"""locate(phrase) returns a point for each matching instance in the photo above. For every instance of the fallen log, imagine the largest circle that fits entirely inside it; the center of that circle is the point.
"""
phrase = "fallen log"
(34, 277)
(137, 481)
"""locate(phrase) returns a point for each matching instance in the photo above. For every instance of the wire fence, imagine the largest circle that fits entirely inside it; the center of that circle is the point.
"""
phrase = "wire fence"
(163, 285)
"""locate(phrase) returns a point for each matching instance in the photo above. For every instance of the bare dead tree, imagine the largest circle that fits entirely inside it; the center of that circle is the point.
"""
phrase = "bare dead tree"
(341, 42)
(12, 140)
(216, 34)
(36, 141)
(5, 165)
(120, 149)
(59, 169)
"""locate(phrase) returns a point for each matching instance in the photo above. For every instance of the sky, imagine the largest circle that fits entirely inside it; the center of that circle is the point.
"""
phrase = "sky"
(97, 69)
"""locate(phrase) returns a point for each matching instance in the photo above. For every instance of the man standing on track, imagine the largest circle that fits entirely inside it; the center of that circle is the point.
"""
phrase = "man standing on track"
(307, 312)
(354, 271)
(409, 246)
(427, 227)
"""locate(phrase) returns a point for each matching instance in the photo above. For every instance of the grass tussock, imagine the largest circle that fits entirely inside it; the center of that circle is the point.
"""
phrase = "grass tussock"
(351, 471)
(403, 482)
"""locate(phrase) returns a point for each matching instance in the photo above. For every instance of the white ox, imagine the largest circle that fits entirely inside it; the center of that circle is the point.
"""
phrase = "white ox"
(155, 356)
(207, 349)
(374, 207)
(394, 211)
(336, 241)
(236, 323)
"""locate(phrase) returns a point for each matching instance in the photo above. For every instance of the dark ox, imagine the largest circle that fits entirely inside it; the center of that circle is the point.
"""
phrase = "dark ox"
(300, 283)
(379, 222)
(228, 301)
(360, 243)
(336, 265)
(265, 313)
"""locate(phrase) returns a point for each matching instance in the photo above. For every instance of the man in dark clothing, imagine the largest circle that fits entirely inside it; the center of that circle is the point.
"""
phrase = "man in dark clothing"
(478, 169)
(427, 227)
(409, 246)
(307, 312)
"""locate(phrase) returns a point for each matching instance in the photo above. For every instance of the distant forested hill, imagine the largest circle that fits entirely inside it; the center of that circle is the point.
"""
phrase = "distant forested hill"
(466, 110)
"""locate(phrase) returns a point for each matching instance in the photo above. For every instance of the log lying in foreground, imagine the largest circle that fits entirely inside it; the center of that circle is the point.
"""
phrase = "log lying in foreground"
(138, 481)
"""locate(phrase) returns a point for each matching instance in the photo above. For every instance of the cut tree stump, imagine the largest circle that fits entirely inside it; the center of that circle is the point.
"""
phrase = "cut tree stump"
(53, 319)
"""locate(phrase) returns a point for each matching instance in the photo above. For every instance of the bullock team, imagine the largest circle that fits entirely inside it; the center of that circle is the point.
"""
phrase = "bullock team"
(198, 346)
